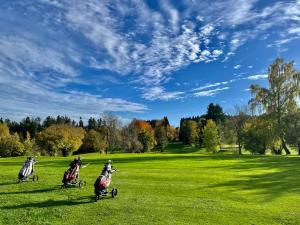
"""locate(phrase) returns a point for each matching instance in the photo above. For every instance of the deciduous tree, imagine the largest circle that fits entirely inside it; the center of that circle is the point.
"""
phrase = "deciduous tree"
(10, 145)
(61, 138)
(211, 139)
(280, 96)
(94, 141)
(292, 129)
(161, 137)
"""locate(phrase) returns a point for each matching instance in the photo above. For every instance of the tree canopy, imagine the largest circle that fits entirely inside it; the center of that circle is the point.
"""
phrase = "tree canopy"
(279, 98)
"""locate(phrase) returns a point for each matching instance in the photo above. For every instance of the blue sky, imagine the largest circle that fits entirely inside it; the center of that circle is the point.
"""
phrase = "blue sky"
(143, 59)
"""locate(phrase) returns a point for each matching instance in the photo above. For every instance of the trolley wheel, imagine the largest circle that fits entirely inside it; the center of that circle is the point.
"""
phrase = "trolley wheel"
(81, 184)
(96, 198)
(116, 192)
(113, 193)
(35, 178)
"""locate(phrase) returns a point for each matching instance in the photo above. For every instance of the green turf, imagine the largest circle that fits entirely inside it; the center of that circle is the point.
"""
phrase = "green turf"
(158, 189)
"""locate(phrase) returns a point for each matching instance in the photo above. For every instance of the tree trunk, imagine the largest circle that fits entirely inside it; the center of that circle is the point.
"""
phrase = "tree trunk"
(277, 152)
(66, 152)
(298, 148)
(240, 147)
(287, 151)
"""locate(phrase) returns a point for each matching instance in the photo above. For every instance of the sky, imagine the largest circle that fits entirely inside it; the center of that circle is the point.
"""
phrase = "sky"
(139, 59)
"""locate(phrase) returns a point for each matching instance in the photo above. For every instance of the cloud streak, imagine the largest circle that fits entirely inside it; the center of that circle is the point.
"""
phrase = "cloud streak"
(159, 93)
(257, 77)
(211, 92)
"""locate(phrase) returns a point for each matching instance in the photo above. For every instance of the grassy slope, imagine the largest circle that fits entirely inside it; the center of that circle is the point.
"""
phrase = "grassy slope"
(158, 189)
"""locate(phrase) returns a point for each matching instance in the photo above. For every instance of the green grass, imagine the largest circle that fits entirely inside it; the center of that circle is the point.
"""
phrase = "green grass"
(158, 188)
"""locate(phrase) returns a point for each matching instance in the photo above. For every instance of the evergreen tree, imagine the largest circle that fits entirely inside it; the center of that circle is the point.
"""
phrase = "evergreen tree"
(80, 122)
(215, 113)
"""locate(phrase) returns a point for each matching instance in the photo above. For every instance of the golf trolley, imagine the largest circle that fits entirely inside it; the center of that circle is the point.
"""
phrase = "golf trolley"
(27, 171)
(71, 178)
(101, 187)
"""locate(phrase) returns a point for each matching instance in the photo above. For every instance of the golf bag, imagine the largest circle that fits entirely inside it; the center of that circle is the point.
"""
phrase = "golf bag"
(72, 174)
(103, 181)
(27, 170)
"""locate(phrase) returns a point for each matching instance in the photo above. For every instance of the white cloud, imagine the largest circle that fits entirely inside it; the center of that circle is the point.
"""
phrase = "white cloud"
(211, 92)
(294, 30)
(172, 43)
(173, 38)
(172, 13)
(34, 77)
(217, 53)
(159, 93)
(207, 30)
(211, 85)
(237, 67)
(36, 100)
(257, 77)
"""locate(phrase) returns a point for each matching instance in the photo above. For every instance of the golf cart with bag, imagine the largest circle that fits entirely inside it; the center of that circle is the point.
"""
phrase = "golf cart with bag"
(27, 170)
(102, 182)
(71, 176)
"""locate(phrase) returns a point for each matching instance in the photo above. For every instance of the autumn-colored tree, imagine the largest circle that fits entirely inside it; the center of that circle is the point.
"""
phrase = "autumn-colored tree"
(28, 144)
(191, 129)
(130, 138)
(145, 134)
(94, 141)
(61, 138)
(143, 125)
(10, 145)
(172, 133)
(4, 130)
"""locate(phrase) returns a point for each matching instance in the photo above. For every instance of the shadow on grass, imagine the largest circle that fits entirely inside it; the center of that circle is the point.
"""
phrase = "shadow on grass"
(134, 158)
(53, 203)
(9, 183)
(32, 191)
(268, 176)
(178, 148)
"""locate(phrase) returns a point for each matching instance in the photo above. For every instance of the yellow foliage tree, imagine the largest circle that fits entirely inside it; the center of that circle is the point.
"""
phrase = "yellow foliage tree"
(61, 138)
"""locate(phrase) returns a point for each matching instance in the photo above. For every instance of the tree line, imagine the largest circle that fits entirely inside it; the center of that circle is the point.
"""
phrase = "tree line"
(270, 122)
(62, 136)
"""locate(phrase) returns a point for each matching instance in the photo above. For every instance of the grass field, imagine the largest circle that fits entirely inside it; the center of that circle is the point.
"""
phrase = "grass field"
(158, 188)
